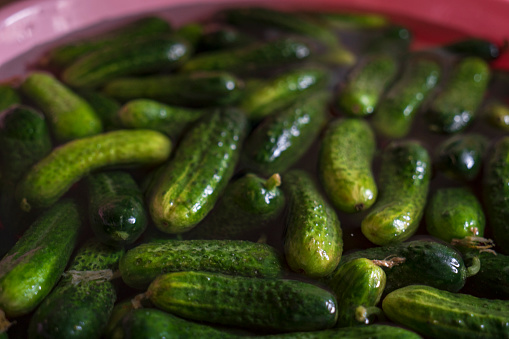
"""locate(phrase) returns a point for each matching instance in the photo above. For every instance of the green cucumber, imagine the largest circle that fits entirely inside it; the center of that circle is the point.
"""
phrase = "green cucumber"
(342, 20)
(142, 264)
(496, 113)
(8, 97)
(454, 108)
(313, 242)
(52, 176)
(79, 307)
(33, 266)
(69, 115)
(224, 38)
(397, 109)
(116, 208)
(404, 182)
(105, 107)
(272, 304)
(138, 57)
(441, 314)
(344, 165)
(191, 32)
(283, 137)
(454, 213)
(492, 280)
(188, 187)
(481, 48)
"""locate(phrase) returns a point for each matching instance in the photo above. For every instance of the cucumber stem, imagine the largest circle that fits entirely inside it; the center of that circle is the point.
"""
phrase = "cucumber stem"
(273, 182)
(80, 276)
(478, 243)
(137, 300)
(4, 323)
(389, 261)
(363, 314)
(474, 268)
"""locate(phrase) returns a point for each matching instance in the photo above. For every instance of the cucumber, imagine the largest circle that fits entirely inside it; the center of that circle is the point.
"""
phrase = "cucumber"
(404, 181)
(272, 304)
(105, 107)
(460, 156)
(344, 165)
(52, 176)
(79, 308)
(454, 213)
(69, 116)
(142, 264)
(224, 38)
(34, 265)
(343, 21)
(113, 329)
(191, 32)
(454, 108)
(8, 97)
(481, 48)
(313, 242)
(442, 314)
(393, 39)
(282, 138)
(188, 187)
(116, 208)
(492, 280)
(496, 113)
(137, 57)
(397, 109)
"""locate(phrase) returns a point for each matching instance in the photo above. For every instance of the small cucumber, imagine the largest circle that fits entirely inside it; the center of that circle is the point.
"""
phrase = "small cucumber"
(481, 48)
(404, 181)
(142, 264)
(496, 113)
(188, 187)
(33, 266)
(224, 38)
(8, 97)
(454, 213)
(52, 176)
(283, 137)
(137, 57)
(397, 109)
(344, 165)
(116, 208)
(272, 304)
(80, 305)
(105, 107)
(69, 116)
(460, 156)
(454, 108)
(492, 280)
(365, 84)
(436, 313)
(313, 242)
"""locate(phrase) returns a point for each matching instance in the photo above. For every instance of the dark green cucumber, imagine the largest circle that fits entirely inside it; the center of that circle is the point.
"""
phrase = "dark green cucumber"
(282, 90)
(283, 137)
(454, 213)
(365, 85)
(403, 186)
(272, 304)
(313, 241)
(145, 27)
(481, 48)
(150, 114)
(79, 307)
(105, 107)
(142, 264)
(33, 266)
(359, 285)
(436, 313)
(397, 109)
(248, 204)
(8, 97)
(69, 116)
(197, 89)
(188, 187)
(53, 175)
(344, 165)
(454, 108)
(116, 208)
(492, 280)
(224, 38)
(496, 113)
(460, 156)
(138, 57)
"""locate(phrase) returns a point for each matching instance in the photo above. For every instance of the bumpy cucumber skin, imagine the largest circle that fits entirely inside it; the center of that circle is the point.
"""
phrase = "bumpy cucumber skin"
(282, 138)
(404, 181)
(492, 280)
(142, 264)
(396, 110)
(70, 116)
(313, 242)
(365, 85)
(116, 209)
(344, 165)
(34, 265)
(455, 107)
(189, 186)
(442, 314)
(79, 310)
(273, 304)
(454, 213)
(105, 107)
(8, 97)
(53, 175)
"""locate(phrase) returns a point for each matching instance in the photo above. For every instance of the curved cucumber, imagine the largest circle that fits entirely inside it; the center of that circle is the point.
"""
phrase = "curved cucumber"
(8, 97)
(52, 176)
(404, 181)
(344, 165)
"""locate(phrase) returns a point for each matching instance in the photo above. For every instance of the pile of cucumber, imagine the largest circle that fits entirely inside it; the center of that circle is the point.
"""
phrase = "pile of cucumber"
(259, 174)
